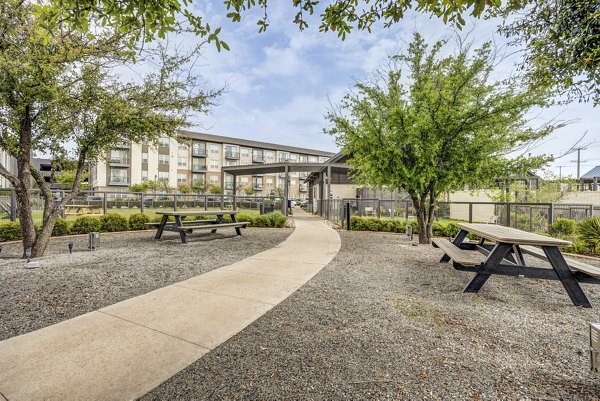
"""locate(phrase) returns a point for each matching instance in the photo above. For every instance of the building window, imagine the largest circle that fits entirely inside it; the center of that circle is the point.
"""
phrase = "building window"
(294, 158)
(214, 164)
(283, 156)
(144, 175)
(198, 179)
(244, 180)
(270, 182)
(214, 149)
(199, 149)
(323, 159)
(119, 156)
(313, 159)
(181, 178)
(269, 155)
(245, 151)
(163, 159)
(163, 142)
(163, 176)
(183, 146)
(144, 157)
(292, 182)
(118, 176)
(214, 179)
(303, 158)
(182, 161)
(232, 162)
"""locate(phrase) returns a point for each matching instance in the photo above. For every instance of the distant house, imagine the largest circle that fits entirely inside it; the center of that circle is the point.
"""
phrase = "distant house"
(589, 181)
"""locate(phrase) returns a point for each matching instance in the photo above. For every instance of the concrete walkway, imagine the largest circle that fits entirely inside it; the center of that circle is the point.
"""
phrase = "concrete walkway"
(123, 351)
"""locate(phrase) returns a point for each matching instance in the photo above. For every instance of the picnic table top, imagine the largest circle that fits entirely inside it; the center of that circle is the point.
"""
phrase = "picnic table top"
(511, 235)
(83, 205)
(198, 212)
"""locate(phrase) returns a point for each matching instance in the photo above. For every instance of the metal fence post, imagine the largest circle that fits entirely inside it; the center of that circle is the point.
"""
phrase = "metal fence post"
(205, 202)
(378, 208)
(550, 214)
(222, 201)
(104, 201)
(470, 212)
(174, 202)
(13, 205)
(508, 214)
(348, 216)
(406, 210)
(530, 218)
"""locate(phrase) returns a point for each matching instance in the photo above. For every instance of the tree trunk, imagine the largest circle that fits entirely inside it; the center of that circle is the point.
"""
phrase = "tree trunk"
(24, 182)
(44, 235)
(25, 218)
(422, 220)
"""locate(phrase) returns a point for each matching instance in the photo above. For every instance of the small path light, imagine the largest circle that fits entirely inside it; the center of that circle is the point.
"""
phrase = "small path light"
(409, 232)
(70, 247)
(94, 241)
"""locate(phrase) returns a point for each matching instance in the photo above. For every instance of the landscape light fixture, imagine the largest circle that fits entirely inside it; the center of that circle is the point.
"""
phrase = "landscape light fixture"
(30, 264)
(70, 247)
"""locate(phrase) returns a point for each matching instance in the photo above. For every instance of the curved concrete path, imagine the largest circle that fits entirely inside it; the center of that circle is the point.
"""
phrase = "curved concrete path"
(123, 351)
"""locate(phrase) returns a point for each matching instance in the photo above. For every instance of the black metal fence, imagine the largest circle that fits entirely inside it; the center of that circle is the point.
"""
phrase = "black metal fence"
(524, 216)
(127, 203)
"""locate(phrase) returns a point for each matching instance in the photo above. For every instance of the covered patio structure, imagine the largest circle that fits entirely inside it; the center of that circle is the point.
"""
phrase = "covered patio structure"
(322, 172)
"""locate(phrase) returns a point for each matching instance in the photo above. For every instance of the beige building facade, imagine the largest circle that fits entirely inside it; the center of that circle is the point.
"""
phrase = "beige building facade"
(195, 160)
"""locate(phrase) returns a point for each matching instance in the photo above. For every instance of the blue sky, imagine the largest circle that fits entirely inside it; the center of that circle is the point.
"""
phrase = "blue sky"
(282, 82)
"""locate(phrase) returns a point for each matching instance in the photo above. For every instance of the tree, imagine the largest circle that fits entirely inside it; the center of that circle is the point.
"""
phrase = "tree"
(66, 178)
(215, 190)
(141, 187)
(429, 124)
(57, 96)
(199, 186)
(562, 45)
(184, 188)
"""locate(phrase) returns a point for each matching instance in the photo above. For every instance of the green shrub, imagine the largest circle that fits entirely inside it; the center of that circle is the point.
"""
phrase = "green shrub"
(562, 227)
(578, 245)
(276, 219)
(245, 217)
(158, 219)
(589, 231)
(261, 221)
(138, 221)
(397, 225)
(452, 229)
(86, 224)
(112, 222)
(60, 228)
(10, 231)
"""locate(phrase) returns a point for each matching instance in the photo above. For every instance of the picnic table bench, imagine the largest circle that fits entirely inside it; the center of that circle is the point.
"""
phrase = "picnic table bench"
(504, 256)
(187, 227)
(83, 210)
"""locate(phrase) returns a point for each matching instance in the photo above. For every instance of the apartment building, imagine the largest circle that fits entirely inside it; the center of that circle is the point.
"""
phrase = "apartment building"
(195, 160)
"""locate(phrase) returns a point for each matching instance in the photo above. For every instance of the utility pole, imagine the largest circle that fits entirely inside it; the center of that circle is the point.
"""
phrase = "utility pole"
(560, 171)
(578, 161)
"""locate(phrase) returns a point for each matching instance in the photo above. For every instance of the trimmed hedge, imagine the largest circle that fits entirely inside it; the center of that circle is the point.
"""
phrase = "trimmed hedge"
(138, 221)
(274, 219)
(439, 229)
(113, 222)
(86, 224)
(10, 231)
(562, 227)
(60, 228)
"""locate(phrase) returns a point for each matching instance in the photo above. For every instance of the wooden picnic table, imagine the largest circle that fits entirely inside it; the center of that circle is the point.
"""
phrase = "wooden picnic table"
(83, 210)
(185, 227)
(505, 256)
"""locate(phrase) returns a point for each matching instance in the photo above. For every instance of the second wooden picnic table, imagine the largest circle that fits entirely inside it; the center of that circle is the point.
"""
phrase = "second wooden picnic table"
(185, 227)
(505, 256)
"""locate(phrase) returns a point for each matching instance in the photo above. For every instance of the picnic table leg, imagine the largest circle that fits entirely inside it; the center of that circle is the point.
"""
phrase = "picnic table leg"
(161, 227)
(238, 230)
(462, 234)
(182, 234)
(488, 267)
(566, 276)
(519, 256)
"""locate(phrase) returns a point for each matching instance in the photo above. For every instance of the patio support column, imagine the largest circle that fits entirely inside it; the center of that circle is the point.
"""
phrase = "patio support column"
(222, 190)
(234, 192)
(285, 188)
(329, 197)
(321, 192)
(595, 183)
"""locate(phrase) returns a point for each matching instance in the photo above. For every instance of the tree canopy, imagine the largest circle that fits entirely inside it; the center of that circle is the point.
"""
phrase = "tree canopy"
(58, 97)
(428, 124)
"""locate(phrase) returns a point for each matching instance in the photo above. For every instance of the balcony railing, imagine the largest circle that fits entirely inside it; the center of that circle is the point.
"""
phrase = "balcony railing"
(122, 145)
(283, 159)
(258, 187)
(258, 159)
(232, 155)
(198, 167)
(199, 152)
(229, 185)
(117, 180)
(124, 161)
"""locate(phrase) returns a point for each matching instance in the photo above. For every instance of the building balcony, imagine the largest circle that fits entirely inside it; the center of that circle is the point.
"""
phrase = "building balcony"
(199, 152)
(283, 159)
(198, 168)
(119, 161)
(232, 155)
(121, 181)
(303, 188)
(122, 145)
(228, 185)
(258, 187)
(281, 175)
(258, 159)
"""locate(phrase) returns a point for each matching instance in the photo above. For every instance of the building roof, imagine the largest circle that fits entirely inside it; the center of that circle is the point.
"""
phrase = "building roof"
(254, 144)
(590, 175)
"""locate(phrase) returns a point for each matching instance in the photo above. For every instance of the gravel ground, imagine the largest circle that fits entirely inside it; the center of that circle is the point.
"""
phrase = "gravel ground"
(385, 320)
(125, 265)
